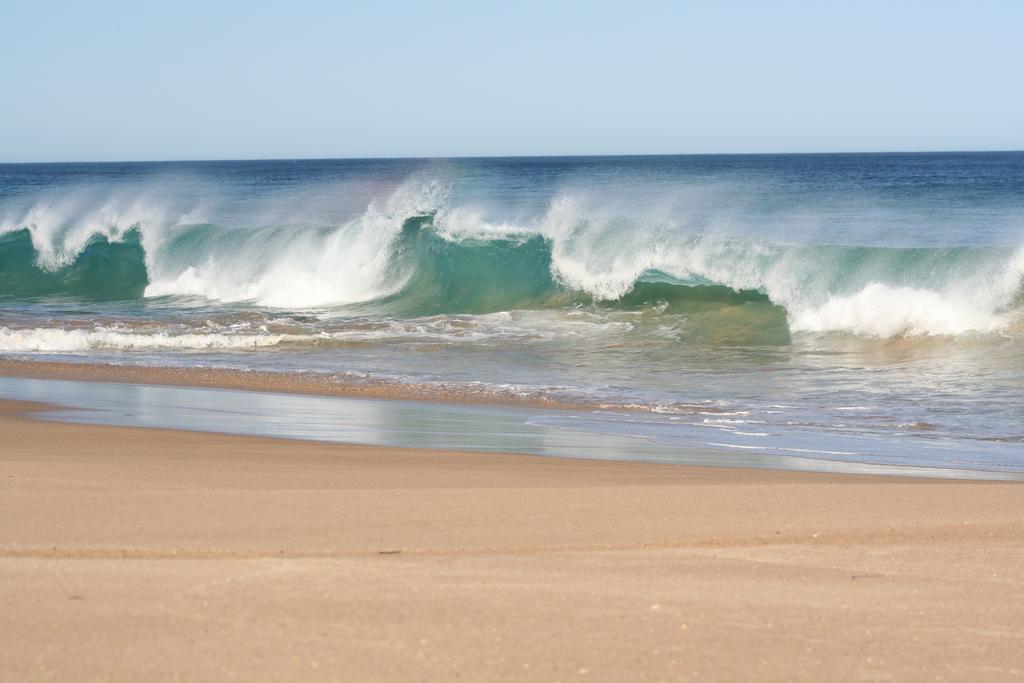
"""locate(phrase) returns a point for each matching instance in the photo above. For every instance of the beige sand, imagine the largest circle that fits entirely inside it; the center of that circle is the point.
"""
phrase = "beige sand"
(130, 554)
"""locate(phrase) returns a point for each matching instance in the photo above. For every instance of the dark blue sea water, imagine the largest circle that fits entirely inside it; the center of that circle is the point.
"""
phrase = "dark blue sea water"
(859, 307)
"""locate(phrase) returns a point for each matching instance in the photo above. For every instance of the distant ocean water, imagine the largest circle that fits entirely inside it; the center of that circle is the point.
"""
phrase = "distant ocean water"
(863, 308)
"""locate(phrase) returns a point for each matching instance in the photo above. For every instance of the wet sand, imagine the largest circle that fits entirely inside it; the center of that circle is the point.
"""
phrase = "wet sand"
(134, 554)
(312, 383)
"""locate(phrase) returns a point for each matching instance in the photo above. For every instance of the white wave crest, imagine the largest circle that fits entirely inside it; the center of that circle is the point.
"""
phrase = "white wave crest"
(603, 253)
(60, 229)
(293, 267)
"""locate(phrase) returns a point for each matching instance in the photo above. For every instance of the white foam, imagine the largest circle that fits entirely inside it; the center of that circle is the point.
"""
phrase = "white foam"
(879, 310)
(293, 267)
(60, 229)
(56, 340)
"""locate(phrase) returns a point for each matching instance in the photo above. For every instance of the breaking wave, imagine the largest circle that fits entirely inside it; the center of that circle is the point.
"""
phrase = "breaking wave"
(414, 256)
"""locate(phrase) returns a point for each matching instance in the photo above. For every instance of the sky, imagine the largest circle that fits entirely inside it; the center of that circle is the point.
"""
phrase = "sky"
(178, 79)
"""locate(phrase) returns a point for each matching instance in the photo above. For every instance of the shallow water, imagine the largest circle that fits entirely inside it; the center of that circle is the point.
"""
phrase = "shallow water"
(415, 424)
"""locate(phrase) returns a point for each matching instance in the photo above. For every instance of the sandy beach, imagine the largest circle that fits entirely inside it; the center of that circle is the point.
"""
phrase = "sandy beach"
(133, 554)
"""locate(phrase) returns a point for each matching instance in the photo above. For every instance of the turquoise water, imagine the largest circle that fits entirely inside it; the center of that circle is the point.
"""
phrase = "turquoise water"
(849, 307)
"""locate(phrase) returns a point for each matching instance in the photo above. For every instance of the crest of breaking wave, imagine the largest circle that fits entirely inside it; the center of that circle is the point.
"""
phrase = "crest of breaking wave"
(598, 247)
(605, 251)
(290, 266)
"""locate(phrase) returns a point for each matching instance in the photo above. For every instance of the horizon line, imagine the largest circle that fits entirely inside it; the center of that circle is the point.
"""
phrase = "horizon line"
(509, 156)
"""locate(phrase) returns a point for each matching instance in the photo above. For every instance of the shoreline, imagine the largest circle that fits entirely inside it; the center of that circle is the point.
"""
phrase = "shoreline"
(423, 406)
(300, 383)
(140, 553)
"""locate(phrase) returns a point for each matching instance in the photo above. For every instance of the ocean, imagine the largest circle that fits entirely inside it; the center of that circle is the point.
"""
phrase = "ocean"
(832, 308)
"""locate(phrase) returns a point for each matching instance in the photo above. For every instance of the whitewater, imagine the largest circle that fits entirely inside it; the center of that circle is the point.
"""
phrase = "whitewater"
(877, 301)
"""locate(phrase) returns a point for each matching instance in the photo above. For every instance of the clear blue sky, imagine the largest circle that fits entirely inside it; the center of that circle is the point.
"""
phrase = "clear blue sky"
(200, 80)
